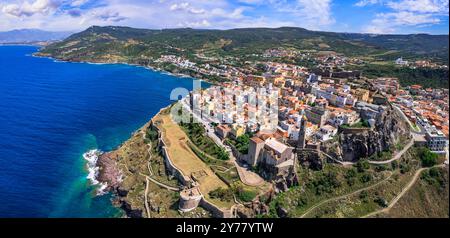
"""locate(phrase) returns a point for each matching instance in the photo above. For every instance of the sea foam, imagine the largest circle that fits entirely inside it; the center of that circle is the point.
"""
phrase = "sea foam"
(93, 170)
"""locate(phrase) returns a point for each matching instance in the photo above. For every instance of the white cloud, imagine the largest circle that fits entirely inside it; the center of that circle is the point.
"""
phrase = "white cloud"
(29, 9)
(363, 3)
(388, 22)
(406, 13)
(422, 6)
(78, 3)
(185, 6)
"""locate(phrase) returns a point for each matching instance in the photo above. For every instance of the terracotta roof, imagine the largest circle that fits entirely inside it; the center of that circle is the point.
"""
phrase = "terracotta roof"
(257, 140)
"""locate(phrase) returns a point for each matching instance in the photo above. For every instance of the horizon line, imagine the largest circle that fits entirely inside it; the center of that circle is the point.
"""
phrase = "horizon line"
(217, 29)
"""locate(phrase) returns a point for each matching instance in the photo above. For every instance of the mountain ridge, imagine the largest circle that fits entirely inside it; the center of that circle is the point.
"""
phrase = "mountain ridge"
(31, 35)
(134, 45)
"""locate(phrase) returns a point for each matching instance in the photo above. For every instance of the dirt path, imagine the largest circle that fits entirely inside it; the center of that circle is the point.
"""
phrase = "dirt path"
(343, 196)
(402, 193)
(147, 208)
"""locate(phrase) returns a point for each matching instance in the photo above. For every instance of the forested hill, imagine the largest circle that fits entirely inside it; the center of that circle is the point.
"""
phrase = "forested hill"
(126, 43)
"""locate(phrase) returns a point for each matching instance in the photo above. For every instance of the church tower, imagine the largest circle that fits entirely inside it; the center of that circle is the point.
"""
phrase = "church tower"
(301, 144)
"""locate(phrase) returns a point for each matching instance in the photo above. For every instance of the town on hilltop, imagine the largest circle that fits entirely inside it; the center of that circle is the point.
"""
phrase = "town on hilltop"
(288, 115)
(291, 125)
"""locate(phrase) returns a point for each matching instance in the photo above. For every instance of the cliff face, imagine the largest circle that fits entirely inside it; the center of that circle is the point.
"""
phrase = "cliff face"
(355, 144)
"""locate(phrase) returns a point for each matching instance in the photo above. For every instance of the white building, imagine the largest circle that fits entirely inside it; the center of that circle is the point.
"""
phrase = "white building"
(326, 133)
(436, 140)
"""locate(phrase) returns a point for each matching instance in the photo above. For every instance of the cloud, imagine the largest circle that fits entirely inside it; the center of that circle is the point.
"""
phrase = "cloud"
(76, 15)
(110, 16)
(421, 6)
(78, 3)
(363, 3)
(185, 6)
(406, 13)
(74, 12)
(29, 9)
(388, 22)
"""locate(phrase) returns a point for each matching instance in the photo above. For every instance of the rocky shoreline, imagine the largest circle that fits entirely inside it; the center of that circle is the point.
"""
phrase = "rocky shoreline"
(96, 61)
(109, 172)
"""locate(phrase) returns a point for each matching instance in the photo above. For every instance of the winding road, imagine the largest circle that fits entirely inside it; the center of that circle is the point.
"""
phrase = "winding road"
(396, 156)
(402, 193)
(346, 195)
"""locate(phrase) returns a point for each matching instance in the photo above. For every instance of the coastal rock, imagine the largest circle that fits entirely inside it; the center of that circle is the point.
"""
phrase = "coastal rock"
(109, 172)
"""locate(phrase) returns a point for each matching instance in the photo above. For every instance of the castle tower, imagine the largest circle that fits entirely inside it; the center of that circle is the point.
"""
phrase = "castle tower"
(301, 143)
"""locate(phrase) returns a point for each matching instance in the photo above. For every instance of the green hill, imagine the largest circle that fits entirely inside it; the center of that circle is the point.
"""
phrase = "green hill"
(142, 46)
(241, 41)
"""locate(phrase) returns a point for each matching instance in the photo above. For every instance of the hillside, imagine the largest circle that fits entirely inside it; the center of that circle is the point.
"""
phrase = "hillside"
(434, 46)
(237, 47)
(142, 42)
(427, 198)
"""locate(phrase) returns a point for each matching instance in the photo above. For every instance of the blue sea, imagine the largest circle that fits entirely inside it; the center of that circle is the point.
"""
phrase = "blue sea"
(51, 113)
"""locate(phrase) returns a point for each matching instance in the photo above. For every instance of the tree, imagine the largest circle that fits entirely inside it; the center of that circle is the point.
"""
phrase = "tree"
(242, 143)
(362, 166)
(366, 177)
(381, 202)
(222, 154)
(351, 177)
(428, 158)
(224, 194)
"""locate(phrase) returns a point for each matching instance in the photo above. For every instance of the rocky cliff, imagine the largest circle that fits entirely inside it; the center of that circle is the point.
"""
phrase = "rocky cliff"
(389, 131)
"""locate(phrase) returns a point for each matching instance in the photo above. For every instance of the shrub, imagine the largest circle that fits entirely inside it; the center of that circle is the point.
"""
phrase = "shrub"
(428, 158)
(365, 178)
(404, 168)
(363, 196)
(244, 195)
(381, 202)
(224, 194)
(242, 143)
(362, 166)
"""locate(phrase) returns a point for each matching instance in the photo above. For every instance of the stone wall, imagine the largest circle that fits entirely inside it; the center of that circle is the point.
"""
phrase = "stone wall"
(216, 212)
(186, 180)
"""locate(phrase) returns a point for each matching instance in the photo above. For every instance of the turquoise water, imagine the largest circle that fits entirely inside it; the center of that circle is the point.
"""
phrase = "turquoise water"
(52, 113)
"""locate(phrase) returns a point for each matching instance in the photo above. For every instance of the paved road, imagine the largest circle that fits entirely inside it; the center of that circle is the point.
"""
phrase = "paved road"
(396, 156)
(402, 114)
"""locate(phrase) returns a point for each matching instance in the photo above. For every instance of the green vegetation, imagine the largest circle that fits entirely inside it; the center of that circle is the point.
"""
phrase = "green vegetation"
(435, 177)
(241, 192)
(316, 186)
(223, 194)
(382, 155)
(428, 158)
(241, 143)
(361, 124)
(375, 196)
(197, 135)
(143, 47)
(428, 198)
(244, 195)
(427, 77)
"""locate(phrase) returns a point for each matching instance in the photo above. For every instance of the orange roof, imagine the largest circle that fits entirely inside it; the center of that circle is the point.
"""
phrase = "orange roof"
(257, 140)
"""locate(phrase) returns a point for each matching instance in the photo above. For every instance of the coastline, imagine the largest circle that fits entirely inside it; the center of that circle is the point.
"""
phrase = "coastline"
(148, 67)
(113, 172)
(105, 173)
